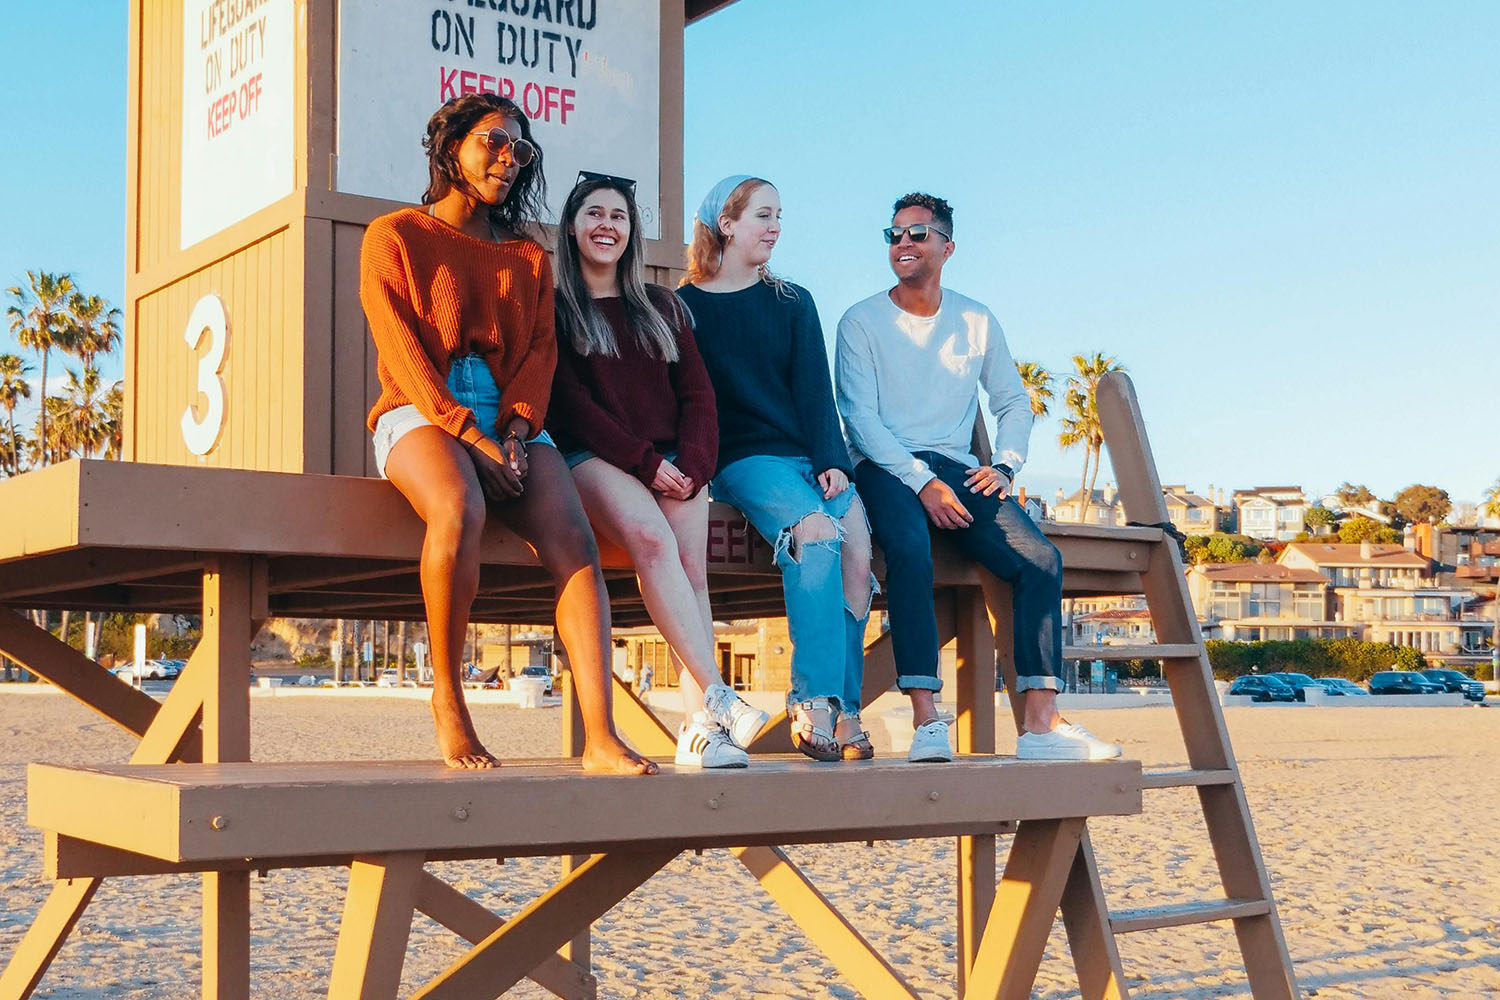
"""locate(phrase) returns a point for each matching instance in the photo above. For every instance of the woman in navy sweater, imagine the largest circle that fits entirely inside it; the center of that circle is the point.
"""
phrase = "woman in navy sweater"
(782, 458)
(633, 412)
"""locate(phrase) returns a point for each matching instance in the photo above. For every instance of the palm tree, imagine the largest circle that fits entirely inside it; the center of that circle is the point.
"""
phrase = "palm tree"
(16, 444)
(13, 389)
(114, 421)
(39, 321)
(96, 326)
(1038, 383)
(84, 418)
(58, 442)
(1082, 426)
(1492, 500)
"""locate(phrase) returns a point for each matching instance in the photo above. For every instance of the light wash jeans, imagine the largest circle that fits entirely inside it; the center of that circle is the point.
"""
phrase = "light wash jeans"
(828, 637)
(472, 385)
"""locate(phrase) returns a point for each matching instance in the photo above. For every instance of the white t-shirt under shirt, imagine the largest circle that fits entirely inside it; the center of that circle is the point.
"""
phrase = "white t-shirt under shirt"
(909, 383)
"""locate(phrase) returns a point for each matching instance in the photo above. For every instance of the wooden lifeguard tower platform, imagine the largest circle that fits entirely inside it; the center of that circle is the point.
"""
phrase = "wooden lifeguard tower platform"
(246, 497)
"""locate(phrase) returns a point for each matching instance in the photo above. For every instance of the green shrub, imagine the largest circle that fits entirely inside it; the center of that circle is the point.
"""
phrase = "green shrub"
(1349, 658)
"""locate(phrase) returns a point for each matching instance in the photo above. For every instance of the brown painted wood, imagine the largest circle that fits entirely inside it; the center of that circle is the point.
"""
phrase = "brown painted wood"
(974, 734)
(836, 936)
(1091, 937)
(1226, 812)
(286, 810)
(503, 958)
(46, 936)
(472, 922)
(1025, 909)
(378, 907)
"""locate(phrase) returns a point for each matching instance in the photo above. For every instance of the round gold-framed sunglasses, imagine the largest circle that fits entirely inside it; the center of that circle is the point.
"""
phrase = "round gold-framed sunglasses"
(497, 141)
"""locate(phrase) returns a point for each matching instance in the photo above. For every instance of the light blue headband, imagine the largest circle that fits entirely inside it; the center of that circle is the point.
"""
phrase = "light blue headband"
(713, 202)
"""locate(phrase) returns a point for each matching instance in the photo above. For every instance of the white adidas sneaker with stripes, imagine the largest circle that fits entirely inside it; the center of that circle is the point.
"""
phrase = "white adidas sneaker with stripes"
(702, 742)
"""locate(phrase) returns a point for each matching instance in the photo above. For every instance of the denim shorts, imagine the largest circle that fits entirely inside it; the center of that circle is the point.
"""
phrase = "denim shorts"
(472, 385)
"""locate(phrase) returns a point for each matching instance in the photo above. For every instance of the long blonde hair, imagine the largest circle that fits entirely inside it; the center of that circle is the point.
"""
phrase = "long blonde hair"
(705, 254)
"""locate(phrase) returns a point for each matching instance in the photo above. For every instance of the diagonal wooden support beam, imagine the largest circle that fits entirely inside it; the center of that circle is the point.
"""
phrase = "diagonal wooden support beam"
(1090, 938)
(503, 958)
(175, 733)
(1025, 908)
(472, 922)
(845, 947)
(46, 936)
(376, 926)
(43, 654)
(637, 723)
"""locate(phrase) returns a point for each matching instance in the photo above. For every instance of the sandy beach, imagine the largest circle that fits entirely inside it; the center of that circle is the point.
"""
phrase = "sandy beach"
(1378, 826)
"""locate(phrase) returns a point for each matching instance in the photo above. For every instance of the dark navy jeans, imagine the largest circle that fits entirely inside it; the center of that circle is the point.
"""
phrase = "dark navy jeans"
(1003, 539)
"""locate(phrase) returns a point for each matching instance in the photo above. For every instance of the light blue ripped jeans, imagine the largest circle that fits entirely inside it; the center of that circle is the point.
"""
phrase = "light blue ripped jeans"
(774, 493)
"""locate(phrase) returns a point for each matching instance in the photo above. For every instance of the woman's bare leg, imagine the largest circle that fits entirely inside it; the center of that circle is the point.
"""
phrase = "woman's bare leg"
(550, 517)
(625, 511)
(434, 473)
(689, 521)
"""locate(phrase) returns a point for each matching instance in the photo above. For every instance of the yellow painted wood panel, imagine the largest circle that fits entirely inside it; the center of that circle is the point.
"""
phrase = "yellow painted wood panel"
(160, 116)
(262, 412)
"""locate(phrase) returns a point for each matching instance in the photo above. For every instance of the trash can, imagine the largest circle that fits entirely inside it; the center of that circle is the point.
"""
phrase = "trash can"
(1111, 680)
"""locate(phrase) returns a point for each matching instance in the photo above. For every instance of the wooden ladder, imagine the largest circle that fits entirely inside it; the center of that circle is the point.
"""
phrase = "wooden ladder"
(1211, 770)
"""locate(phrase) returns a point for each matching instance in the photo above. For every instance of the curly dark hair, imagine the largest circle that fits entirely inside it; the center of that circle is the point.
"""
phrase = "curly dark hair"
(941, 211)
(525, 202)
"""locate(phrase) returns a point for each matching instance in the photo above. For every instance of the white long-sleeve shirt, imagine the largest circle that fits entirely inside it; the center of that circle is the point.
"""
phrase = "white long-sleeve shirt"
(909, 383)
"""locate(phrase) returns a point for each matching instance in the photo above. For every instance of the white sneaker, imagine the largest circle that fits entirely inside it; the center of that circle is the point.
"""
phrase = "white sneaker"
(1066, 742)
(702, 742)
(930, 742)
(741, 719)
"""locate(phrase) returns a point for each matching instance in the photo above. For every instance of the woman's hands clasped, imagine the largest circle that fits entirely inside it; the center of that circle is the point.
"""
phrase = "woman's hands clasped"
(671, 482)
(501, 466)
(832, 482)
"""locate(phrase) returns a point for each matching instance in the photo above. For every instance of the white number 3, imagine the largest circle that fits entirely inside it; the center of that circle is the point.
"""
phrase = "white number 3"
(208, 318)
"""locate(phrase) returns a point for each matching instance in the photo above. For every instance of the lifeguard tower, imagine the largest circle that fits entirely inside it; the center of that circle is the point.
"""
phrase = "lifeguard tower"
(263, 137)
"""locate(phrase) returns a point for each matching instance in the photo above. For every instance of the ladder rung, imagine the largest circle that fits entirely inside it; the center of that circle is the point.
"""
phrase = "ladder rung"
(1159, 651)
(1187, 778)
(1154, 917)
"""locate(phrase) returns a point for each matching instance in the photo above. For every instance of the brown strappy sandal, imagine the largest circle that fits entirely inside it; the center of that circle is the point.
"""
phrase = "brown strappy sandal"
(853, 739)
(812, 729)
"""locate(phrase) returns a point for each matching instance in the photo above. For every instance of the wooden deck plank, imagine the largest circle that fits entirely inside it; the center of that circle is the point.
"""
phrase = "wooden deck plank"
(205, 812)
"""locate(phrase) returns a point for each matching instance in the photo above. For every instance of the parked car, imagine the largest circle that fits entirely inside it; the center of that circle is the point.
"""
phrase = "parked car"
(1262, 687)
(389, 677)
(174, 667)
(1402, 682)
(541, 674)
(1342, 686)
(1452, 680)
(152, 670)
(1297, 682)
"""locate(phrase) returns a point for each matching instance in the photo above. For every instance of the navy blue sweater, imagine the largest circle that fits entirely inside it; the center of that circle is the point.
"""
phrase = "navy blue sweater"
(769, 366)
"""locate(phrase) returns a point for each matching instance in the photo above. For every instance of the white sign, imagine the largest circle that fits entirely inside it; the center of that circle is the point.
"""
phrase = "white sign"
(586, 72)
(238, 97)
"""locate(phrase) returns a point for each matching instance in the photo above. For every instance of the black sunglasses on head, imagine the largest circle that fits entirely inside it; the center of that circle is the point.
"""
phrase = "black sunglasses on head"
(620, 182)
(918, 233)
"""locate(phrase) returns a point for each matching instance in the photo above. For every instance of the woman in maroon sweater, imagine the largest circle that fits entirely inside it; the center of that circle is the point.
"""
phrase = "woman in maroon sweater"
(633, 412)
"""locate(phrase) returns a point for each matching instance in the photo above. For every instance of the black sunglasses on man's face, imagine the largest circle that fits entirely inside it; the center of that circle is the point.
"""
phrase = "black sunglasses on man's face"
(918, 233)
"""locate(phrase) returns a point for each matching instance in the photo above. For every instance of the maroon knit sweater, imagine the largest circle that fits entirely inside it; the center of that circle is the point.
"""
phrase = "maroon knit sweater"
(632, 409)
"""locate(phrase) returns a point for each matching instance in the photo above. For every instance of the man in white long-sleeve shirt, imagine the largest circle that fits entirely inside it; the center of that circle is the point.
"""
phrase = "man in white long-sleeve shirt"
(909, 365)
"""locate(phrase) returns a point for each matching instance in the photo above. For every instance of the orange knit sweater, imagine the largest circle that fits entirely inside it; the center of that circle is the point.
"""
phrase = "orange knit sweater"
(432, 294)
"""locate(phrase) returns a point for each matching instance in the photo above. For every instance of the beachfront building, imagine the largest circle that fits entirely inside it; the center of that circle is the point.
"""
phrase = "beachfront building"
(1271, 513)
(1390, 591)
(1461, 556)
(1250, 601)
(1189, 512)
(1110, 621)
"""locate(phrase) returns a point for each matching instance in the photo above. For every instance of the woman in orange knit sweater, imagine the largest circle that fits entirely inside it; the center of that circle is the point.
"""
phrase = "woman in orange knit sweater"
(459, 300)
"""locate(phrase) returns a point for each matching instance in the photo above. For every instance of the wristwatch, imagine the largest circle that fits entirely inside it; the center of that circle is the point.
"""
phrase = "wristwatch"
(1005, 470)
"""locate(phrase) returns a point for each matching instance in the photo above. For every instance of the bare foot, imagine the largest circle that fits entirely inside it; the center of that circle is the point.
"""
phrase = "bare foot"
(457, 741)
(614, 757)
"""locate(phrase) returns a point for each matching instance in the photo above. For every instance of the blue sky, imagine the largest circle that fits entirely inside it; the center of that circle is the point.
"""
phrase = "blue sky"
(1282, 217)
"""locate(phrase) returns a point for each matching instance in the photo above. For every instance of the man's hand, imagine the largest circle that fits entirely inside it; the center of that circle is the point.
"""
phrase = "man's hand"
(943, 506)
(832, 482)
(670, 482)
(988, 480)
